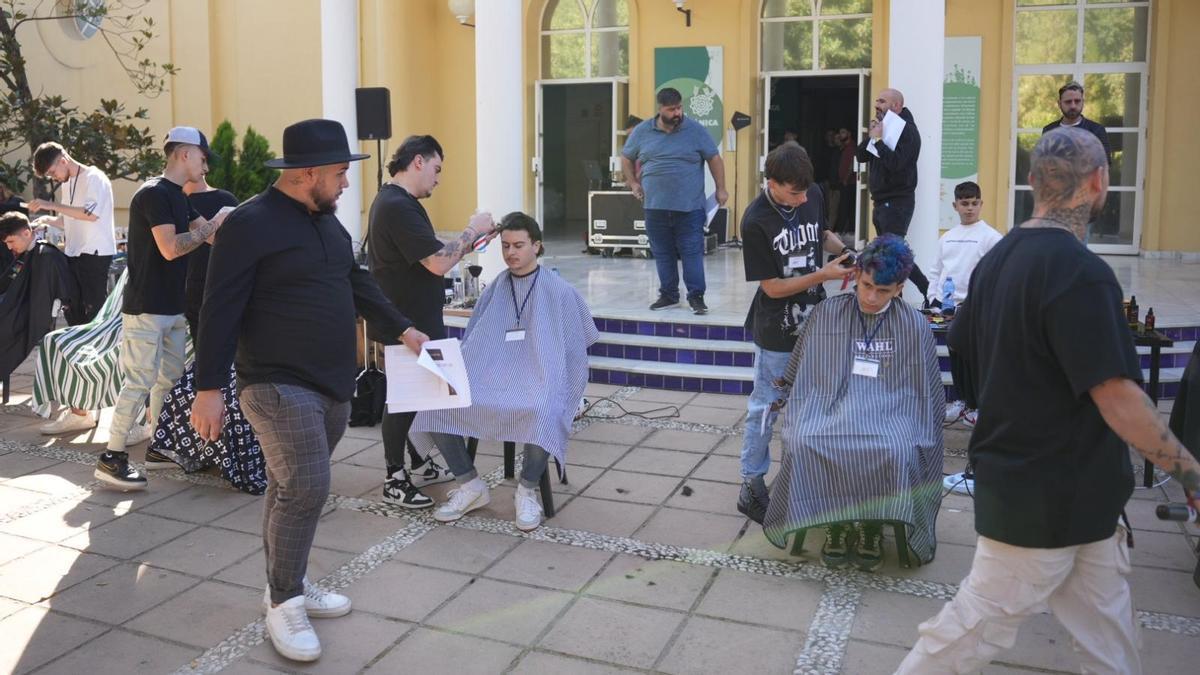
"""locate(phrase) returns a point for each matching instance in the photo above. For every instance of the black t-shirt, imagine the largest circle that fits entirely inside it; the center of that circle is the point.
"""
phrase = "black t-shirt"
(1043, 324)
(206, 204)
(777, 244)
(156, 285)
(400, 235)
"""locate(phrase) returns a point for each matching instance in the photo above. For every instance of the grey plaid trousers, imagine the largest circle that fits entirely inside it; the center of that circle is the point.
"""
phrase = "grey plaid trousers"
(298, 429)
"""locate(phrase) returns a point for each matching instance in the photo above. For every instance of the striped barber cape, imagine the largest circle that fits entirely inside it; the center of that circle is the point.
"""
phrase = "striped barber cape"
(78, 366)
(528, 390)
(857, 447)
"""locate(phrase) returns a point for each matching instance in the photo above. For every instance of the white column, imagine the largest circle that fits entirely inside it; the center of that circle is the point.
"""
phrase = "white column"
(499, 117)
(916, 52)
(339, 78)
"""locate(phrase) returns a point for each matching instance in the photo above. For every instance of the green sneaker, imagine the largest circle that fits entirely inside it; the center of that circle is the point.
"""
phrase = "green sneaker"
(835, 552)
(869, 554)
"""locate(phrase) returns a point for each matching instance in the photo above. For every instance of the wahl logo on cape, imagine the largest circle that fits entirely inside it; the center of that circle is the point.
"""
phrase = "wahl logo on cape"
(878, 348)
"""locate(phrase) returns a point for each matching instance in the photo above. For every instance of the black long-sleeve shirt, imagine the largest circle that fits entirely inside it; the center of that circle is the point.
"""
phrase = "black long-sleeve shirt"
(894, 172)
(282, 292)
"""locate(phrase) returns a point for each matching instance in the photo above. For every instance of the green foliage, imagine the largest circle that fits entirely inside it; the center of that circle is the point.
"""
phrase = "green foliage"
(242, 173)
(220, 173)
(119, 142)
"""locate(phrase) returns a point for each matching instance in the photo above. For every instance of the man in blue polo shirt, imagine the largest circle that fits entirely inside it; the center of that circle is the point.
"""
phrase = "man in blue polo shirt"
(672, 150)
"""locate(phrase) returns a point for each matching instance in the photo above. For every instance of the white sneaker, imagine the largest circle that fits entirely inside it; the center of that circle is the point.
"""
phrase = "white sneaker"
(139, 434)
(318, 602)
(291, 633)
(69, 421)
(955, 410)
(970, 417)
(463, 500)
(528, 508)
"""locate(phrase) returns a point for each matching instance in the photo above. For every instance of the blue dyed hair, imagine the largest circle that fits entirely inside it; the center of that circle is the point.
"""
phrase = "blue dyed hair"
(888, 258)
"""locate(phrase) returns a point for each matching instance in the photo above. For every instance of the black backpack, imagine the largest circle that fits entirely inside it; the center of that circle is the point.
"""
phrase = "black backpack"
(370, 391)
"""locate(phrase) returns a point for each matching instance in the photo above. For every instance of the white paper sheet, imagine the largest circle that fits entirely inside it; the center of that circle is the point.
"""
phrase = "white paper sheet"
(893, 126)
(434, 380)
(710, 209)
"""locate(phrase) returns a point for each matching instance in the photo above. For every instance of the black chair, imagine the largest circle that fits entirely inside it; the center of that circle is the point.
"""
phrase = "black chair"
(7, 391)
(510, 470)
(899, 530)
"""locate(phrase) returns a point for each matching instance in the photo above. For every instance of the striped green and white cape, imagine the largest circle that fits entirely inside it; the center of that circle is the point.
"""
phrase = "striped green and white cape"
(79, 366)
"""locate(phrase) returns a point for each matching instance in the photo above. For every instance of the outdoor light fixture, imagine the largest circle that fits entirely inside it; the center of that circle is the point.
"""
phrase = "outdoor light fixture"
(462, 10)
(687, 13)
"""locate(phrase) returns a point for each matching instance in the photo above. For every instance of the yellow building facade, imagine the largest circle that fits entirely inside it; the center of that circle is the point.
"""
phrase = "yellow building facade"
(266, 63)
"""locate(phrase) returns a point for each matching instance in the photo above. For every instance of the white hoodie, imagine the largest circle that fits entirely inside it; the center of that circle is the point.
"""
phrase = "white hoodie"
(959, 251)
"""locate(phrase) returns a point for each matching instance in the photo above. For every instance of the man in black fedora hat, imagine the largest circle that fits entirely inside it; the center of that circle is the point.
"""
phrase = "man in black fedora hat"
(282, 293)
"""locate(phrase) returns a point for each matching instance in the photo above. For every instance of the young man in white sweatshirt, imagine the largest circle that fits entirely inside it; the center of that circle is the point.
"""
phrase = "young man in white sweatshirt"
(959, 250)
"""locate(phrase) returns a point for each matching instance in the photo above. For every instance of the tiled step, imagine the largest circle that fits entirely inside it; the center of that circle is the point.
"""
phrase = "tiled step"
(664, 355)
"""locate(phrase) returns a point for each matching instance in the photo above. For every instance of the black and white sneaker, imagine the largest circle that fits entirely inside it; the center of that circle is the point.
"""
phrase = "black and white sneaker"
(113, 469)
(398, 490)
(157, 461)
(697, 305)
(429, 473)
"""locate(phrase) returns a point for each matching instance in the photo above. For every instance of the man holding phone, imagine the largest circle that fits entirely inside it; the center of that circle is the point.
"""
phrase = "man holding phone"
(784, 232)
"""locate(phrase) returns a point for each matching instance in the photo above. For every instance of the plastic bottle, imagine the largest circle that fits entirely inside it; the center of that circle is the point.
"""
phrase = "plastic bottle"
(1132, 316)
(1150, 320)
(948, 295)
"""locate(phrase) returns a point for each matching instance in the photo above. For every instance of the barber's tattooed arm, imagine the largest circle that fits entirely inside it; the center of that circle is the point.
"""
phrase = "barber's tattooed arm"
(1134, 417)
(455, 250)
(451, 252)
(189, 241)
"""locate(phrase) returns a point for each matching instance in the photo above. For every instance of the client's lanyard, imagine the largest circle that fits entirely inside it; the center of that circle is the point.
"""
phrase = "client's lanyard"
(512, 286)
(869, 336)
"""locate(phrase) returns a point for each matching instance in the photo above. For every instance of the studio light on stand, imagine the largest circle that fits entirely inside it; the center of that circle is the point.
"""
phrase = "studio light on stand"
(737, 122)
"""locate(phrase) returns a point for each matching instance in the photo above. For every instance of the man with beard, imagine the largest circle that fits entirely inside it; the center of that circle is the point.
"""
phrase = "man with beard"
(670, 150)
(1070, 102)
(892, 178)
(282, 292)
(1060, 400)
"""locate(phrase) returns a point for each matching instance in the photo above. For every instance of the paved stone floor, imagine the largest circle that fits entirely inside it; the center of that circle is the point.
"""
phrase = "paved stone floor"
(646, 568)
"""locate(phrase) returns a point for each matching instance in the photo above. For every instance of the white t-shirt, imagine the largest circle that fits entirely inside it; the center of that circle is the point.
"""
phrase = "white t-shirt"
(90, 190)
(959, 250)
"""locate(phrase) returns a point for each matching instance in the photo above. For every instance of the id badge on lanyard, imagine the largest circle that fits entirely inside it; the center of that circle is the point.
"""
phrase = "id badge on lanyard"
(514, 335)
(865, 367)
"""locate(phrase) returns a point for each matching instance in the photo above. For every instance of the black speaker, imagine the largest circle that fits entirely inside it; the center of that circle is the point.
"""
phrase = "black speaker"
(374, 113)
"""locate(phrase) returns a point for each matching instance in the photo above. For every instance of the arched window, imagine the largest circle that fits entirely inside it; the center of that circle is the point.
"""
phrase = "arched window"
(585, 38)
(816, 34)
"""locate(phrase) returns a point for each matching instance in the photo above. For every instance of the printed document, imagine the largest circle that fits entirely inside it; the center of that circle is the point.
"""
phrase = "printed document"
(434, 380)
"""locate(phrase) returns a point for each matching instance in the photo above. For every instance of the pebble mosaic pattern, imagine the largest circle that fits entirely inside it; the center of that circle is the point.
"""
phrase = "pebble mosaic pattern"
(827, 637)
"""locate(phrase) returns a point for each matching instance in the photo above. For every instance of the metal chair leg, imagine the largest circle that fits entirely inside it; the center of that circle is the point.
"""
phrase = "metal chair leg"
(510, 459)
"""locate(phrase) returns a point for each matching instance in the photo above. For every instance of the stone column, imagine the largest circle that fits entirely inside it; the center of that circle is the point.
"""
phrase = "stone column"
(916, 56)
(339, 78)
(499, 117)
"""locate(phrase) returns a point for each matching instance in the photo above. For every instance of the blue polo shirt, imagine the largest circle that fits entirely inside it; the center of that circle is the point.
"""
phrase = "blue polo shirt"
(672, 163)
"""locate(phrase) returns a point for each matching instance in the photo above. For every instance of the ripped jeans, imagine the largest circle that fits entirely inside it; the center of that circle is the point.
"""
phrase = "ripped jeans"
(1084, 586)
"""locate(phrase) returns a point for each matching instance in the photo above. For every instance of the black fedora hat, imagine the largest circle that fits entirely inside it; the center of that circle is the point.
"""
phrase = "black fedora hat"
(314, 143)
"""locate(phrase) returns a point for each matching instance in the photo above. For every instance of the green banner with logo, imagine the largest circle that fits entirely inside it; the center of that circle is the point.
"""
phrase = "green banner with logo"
(697, 72)
(960, 121)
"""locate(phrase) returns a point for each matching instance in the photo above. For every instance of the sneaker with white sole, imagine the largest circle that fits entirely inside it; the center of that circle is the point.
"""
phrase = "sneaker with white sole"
(69, 421)
(955, 410)
(528, 509)
(399, 490)
(970, 418)
(113, 468)
(463, 500)
(291, 633)
(139, 434)
(429, 473)
(318, 602)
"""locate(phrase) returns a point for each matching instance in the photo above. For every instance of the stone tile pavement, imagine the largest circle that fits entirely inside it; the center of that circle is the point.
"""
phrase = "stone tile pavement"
(646, 568)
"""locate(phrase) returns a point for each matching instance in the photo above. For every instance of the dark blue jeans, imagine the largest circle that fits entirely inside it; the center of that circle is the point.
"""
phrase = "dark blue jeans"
(892, 216)
(677, 236)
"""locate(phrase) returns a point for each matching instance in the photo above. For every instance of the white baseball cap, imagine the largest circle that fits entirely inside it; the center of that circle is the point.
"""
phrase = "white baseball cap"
(191, 136)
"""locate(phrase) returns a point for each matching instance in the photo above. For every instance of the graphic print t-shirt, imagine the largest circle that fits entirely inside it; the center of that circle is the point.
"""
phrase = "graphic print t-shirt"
(779, 243)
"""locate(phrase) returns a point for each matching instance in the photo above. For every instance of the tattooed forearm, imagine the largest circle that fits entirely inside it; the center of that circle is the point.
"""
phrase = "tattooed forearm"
(458, 248)
(189, 241)
(1136, 419)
